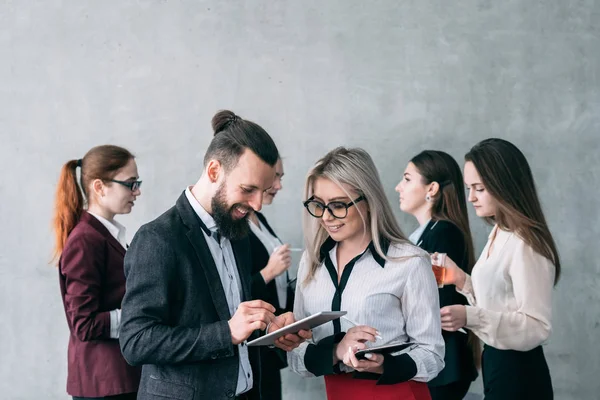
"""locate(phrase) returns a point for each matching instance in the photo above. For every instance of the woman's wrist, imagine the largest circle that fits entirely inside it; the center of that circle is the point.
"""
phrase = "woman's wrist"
(267, 274)
(378, 370)
(461, 279)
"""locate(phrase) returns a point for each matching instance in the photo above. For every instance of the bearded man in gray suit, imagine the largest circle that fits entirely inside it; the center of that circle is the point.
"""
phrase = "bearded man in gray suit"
(187, 310)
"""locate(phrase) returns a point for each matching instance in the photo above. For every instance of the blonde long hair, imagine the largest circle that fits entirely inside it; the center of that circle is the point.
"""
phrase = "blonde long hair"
(355, 168)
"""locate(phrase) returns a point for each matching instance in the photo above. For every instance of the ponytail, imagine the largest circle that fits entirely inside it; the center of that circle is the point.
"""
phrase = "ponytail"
(68, 206)
(101, 162)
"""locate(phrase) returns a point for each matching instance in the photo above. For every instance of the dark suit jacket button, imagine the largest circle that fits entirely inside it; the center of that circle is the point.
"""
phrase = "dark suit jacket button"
(230, 393)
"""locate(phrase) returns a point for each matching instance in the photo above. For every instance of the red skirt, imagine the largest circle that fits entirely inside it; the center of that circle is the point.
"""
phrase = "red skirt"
(345, 387)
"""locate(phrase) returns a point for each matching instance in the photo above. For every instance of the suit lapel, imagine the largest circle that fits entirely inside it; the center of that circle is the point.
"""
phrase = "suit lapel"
(198, 241)
(266, 224)
(115, 243)
(423, 238)
(97, 225)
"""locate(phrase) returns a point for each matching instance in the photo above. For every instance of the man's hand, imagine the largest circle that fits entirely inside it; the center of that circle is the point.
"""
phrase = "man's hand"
(250, 316)
(291, 340)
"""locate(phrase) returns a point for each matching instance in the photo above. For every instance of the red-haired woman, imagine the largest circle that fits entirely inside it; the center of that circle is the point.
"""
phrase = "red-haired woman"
(90, 247)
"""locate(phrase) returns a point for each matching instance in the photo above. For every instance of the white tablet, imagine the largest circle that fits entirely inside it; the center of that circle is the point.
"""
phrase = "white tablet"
(304, 324)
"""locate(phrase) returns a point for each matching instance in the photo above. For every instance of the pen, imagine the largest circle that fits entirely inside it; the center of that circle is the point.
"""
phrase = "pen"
(378, 336)
(294, 249)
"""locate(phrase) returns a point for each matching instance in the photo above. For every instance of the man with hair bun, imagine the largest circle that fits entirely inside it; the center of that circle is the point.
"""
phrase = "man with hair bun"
(187, 311)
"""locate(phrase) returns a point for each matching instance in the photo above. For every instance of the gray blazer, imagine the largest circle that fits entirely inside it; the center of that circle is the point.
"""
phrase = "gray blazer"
(174, 313)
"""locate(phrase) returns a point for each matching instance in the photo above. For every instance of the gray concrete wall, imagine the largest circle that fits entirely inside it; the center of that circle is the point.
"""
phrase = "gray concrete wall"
(394, 77)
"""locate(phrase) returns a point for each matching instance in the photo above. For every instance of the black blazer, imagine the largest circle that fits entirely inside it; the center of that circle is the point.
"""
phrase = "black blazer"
(260, 259)
(175, 316)
(445, 237)
(268, 292)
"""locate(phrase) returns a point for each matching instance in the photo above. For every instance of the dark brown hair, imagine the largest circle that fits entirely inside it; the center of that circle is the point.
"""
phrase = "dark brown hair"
(101, 162)
(450, 204)
(233, 135)
(506, 175)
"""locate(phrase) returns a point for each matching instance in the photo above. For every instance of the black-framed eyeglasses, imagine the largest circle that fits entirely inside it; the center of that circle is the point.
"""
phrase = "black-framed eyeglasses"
(131, 185)
(337, 209)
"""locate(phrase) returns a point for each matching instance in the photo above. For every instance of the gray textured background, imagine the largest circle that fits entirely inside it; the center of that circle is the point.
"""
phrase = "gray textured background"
(395, 77)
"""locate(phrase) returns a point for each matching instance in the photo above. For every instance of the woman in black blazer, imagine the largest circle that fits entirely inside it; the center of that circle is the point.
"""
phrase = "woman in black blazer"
(431, 190)
(270, 262)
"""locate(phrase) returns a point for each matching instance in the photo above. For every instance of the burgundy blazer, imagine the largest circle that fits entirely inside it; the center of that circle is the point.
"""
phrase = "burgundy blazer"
(92, 283)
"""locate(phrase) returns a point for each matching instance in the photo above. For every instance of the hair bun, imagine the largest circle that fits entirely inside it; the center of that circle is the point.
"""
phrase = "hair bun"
(223, 119)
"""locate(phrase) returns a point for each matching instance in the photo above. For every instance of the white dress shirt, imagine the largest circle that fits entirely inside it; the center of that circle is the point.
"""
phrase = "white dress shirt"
(271, 244)
(118, 232)
(114, 227)
(398, 298)
(416, 235)
(510, 293)
(224, 258)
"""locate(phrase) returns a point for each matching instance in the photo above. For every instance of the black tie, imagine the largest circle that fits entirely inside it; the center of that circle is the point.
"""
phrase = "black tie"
(217, 236)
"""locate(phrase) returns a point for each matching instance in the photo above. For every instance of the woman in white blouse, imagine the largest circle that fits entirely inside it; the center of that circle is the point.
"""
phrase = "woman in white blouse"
(357, 260)
(510, 288)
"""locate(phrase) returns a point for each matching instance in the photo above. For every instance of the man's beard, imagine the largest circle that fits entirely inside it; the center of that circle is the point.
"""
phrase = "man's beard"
(228, 226)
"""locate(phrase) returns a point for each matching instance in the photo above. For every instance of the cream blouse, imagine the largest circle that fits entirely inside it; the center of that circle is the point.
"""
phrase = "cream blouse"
(510, 294)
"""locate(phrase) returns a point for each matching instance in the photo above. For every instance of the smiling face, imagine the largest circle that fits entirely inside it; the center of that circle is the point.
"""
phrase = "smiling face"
(340, 229)
(240, 191)
(484, 203)
(270, 194)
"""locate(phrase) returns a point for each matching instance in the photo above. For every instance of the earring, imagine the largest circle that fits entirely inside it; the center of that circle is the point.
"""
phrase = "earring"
(428, 198)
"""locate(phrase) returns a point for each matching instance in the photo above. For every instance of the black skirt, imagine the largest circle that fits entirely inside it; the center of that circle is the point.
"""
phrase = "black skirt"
(516, 375)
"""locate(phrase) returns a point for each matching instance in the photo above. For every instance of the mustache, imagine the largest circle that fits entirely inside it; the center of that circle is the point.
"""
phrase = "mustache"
(229, 226)
(241, 206)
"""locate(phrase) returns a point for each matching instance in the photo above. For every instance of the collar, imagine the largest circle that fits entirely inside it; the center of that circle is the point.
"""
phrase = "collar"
(416, 235)
(114, 228)
(494, 229)
(259, 229)
(329, 244)
(208, 223)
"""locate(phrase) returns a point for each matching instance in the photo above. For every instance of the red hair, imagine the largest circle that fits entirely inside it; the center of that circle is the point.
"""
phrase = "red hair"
(101, 162)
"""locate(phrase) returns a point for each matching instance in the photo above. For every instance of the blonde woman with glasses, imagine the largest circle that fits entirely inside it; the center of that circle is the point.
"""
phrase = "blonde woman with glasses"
(357, 260)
